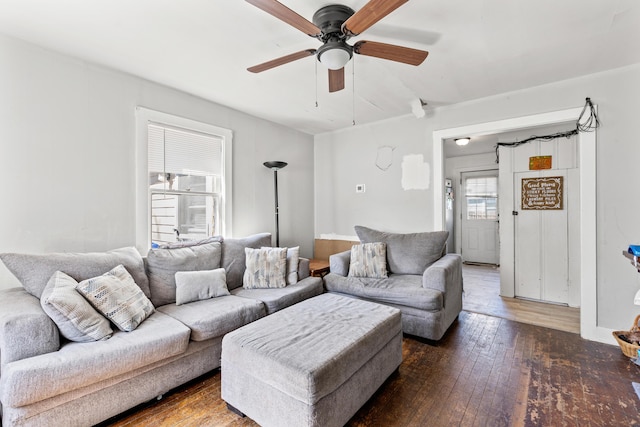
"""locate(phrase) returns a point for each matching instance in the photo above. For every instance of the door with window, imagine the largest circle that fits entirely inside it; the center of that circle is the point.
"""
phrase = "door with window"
(479, 222)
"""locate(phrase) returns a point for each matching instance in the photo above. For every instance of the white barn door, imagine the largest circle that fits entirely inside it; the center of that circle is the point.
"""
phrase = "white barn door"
(541, 242)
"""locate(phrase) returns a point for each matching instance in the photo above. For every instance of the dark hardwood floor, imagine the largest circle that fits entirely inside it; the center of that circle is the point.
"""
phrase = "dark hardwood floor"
(486, 371)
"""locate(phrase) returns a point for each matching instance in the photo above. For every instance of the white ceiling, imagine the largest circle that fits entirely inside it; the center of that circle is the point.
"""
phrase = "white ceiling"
(477, 49)
(481, 144)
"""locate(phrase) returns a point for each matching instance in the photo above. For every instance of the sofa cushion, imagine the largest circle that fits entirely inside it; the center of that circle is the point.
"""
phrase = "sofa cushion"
(397, 289)
(215, 317)
(117, 296)
(368, 260)
(266, 268)
(35, 270)
(198, 285)
(408, 253)
(162, 265)
(189, 243)
(277, 299)
(233, 257)
(75, 317)
(77, 365)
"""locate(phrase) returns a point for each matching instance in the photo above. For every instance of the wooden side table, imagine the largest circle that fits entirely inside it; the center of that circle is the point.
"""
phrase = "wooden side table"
(318, 267)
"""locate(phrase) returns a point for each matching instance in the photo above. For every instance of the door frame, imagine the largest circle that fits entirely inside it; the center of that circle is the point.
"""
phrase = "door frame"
(589, 328)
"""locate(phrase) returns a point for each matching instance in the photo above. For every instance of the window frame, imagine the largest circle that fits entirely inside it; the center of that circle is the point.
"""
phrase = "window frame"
(144, 116)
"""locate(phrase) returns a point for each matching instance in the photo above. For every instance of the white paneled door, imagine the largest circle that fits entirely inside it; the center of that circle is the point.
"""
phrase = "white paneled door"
(541, 240)
(479, 222)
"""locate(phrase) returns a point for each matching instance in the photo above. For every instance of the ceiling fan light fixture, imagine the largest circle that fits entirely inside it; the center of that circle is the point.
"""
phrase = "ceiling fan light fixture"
(335, 54)
(462, 141)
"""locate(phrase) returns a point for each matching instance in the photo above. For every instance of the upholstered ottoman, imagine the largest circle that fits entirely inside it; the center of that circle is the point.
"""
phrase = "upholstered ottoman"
(312, 364)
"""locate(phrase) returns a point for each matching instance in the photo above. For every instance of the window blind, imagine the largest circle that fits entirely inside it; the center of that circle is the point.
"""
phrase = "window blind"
(184, 152)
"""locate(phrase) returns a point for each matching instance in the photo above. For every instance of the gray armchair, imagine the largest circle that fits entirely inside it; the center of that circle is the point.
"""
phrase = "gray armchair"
(422, 281)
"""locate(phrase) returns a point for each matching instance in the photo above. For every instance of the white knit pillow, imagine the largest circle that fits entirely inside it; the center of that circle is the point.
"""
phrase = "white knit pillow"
(293, 259)
(117, 296)
(265, 268)
(369, 260)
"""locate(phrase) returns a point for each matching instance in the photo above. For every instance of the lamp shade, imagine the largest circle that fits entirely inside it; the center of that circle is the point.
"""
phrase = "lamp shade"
(334, 59)
(462, 141)
(334, 54)
(275, 164)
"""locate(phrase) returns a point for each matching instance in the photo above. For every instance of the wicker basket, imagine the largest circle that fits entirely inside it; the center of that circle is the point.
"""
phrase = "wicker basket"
(629, 350)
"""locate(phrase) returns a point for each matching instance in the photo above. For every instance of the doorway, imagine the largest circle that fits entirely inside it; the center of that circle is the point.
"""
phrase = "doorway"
(479, 221)
(589, 328)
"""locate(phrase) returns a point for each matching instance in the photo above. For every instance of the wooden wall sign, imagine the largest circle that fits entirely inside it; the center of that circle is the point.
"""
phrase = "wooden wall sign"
(543, 193)
(539, 163)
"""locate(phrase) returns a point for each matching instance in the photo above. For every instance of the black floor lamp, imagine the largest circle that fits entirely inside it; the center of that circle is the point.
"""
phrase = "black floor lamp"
(275, 165)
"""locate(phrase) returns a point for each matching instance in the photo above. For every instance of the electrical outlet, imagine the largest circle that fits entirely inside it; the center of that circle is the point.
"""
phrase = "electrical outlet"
(360, 188)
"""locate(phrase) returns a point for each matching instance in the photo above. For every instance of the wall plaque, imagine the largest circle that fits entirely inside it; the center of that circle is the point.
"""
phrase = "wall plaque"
(539, 162)
(543, 193)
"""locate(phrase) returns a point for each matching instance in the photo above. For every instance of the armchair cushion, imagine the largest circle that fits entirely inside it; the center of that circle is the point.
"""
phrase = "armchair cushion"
(408, 253)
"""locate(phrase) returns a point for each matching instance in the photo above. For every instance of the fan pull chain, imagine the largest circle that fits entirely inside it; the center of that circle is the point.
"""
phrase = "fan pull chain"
(353, 92)
(316, 62)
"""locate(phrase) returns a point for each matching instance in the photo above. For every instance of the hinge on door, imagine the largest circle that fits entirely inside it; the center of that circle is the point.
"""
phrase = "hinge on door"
(514, 212)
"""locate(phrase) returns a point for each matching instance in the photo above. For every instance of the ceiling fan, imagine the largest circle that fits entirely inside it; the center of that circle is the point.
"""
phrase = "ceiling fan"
(333, 25)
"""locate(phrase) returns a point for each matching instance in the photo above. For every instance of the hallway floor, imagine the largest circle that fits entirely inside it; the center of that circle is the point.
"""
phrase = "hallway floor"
(482, 295)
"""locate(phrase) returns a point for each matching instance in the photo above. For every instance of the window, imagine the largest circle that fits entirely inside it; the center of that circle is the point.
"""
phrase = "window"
(482, 197)
(186, 185)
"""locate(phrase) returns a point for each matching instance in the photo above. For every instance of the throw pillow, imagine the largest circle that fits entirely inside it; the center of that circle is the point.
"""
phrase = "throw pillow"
(233, 256)
(198, 285)
(408, 253)
(163, 264)
(77, 320)
(266, 268)
(117, 296)
(369, 260)
(35, 270)
(293, 258)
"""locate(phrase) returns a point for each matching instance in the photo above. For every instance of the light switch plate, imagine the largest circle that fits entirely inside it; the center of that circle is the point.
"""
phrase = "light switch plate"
(360, 188)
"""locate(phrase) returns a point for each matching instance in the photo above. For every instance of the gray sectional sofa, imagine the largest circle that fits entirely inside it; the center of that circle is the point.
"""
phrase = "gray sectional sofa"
(47, 380)
(417, 277)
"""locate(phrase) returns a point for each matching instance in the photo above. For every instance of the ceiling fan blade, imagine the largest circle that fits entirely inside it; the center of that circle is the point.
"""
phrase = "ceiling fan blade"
(281, 61)
(336, 80)
(391, 52)
(287, 15)
(370, 13)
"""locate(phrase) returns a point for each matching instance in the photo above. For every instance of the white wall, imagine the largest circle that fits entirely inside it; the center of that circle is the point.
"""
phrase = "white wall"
(67, 157)
(346, 156)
